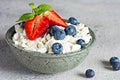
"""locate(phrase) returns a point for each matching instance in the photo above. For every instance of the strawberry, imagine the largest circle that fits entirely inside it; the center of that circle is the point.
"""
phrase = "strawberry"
(36, 27)
(37, 22)
(54, 18)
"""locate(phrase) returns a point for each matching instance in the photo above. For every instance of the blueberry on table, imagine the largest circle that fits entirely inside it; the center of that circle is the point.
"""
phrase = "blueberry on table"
(113, 60)
(73, 20)
(52, 30)
(81, 42)
(59, 34)
(89, 73)
(116, 66)
(70, 30)
(57, 48)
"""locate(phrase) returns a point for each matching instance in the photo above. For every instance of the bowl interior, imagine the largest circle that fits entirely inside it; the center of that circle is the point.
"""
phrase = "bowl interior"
(9, 40)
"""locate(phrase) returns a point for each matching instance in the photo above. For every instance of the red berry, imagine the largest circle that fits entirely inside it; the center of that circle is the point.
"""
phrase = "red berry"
(36, 27)
(55, 19)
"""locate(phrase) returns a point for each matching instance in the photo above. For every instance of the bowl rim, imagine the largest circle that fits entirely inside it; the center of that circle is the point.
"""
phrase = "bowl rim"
(10, 42)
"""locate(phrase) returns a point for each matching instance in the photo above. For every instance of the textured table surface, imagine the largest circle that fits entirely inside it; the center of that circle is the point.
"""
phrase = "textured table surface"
(103, 17)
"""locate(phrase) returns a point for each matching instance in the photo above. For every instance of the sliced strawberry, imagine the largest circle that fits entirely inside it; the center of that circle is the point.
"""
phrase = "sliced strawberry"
(54, 18)
(36, 27)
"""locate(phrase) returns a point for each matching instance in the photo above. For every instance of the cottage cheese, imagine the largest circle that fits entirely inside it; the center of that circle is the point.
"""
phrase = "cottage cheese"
(44, 44)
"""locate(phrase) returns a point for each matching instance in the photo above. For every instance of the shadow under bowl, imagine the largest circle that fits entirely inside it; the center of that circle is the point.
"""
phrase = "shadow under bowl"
(47, 63)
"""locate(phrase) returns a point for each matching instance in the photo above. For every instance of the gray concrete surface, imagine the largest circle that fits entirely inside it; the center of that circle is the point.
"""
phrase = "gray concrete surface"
(103, 17)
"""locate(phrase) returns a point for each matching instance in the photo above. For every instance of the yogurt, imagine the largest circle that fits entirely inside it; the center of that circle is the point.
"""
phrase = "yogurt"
(43, 44)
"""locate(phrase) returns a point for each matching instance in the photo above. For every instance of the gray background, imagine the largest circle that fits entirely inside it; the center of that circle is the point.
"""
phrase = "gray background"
(103, 17)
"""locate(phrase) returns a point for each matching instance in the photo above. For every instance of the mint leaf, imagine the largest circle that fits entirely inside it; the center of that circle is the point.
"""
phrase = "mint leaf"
(32, 5)
(25, 17)
(38, 11)
(35, 11)
(45, 7)
(42, 8)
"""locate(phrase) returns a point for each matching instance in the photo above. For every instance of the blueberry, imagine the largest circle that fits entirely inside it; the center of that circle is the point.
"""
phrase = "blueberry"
(70, 30)
(89, 73)
(52, 30)
(57, 48)
(22, 24)
(81, 42)
(116, 66)
(73, 20)
(59, 34)
(113, 60)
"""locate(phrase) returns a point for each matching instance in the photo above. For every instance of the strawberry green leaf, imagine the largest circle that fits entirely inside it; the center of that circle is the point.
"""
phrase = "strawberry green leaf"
(42, 8)
(32, 5)
(25, 17)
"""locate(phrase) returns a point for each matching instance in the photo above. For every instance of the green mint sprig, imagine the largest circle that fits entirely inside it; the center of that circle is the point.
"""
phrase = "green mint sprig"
(42, 8)
(35, 11)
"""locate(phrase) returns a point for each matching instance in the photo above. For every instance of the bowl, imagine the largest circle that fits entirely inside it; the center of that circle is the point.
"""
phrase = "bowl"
(47, 63)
